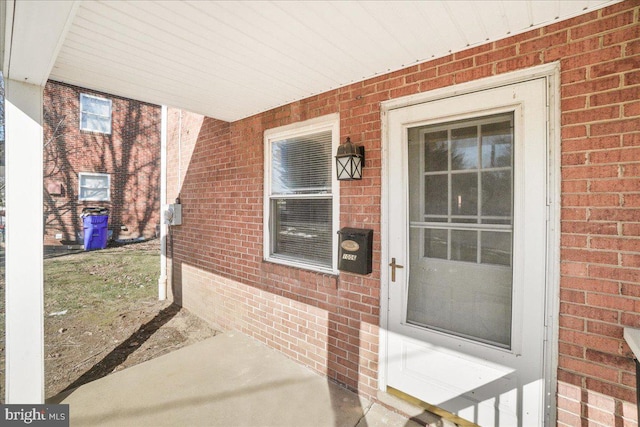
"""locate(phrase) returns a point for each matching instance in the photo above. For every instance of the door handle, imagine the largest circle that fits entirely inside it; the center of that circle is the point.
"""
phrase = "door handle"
(393, 266)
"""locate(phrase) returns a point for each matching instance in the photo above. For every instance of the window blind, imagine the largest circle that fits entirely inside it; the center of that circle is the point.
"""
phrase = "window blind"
(302, 165)
(301, 199)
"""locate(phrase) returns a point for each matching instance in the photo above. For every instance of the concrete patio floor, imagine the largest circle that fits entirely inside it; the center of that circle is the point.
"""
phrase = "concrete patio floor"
(228, 380)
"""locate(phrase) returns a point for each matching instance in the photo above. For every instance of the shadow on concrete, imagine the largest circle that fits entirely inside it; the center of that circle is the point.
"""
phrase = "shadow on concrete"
(229, 380)
(119, 354)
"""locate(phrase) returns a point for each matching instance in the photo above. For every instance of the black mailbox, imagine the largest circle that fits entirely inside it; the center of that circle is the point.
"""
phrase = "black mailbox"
(355, 250)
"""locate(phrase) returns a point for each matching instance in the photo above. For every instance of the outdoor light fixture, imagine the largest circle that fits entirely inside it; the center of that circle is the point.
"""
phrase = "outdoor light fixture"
(349, 161)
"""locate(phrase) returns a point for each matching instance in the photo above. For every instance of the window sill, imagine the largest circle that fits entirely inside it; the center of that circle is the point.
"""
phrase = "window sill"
(301, 266)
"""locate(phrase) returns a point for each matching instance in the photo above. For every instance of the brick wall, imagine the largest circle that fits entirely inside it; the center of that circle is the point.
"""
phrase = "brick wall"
(130, 154)
(331, 323)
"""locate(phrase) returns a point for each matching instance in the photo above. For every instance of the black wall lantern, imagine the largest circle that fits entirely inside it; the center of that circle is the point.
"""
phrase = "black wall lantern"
(349, 161)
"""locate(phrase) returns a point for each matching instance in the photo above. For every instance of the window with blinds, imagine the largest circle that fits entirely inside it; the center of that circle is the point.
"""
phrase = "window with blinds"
(300, 225)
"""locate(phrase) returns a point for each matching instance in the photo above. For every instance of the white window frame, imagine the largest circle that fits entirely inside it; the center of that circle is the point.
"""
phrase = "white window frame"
(84, 96)
(325, 123)
(82, 175)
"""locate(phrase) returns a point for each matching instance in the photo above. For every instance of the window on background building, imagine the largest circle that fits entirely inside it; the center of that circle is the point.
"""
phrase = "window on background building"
(301, 194)
(95, 114)
(94, 187)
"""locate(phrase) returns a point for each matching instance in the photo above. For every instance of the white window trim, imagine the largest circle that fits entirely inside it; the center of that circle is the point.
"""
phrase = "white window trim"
(329, 122)
(94, 174)
(82, 112)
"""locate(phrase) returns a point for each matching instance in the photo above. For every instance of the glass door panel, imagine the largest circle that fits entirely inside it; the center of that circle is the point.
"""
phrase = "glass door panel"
(461, 228)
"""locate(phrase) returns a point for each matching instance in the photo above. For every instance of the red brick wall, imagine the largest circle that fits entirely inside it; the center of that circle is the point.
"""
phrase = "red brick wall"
(131, 154)
(331, 323)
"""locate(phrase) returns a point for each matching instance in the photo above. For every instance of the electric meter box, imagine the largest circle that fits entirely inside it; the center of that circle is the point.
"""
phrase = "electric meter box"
(173, 214)
(355, 250)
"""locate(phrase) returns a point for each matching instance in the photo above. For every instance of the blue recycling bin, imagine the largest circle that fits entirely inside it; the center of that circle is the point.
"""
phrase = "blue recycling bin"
(95, 224)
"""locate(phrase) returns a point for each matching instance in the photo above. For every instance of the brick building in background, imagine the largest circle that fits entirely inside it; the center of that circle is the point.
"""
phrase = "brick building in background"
(99, 150)
(331, 321)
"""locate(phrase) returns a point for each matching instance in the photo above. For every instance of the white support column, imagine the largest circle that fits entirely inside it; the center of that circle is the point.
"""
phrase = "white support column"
(162, 280)
(24, 373)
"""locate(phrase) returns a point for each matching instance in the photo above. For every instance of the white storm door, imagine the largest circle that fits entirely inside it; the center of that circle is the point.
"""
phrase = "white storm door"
(468, 224)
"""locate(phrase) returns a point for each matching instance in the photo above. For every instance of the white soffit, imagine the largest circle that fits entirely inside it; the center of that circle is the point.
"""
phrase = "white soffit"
(234, 59)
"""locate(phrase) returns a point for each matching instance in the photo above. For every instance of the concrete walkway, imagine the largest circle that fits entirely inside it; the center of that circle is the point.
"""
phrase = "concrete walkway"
(228, 380)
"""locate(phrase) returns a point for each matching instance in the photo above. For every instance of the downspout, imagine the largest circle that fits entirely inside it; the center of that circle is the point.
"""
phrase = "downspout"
(162, 281)
(179, 152)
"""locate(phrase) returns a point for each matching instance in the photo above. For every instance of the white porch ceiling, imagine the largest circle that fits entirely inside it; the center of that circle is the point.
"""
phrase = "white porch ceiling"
(233, 59)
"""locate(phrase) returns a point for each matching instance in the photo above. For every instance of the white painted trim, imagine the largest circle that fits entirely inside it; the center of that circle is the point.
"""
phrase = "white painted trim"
(6, 14)
(73, 9)
(328, 122)
(553, 243)
(162, 280)
(38, 31)
(551, 72)
(632, 337)
(24, 249)
(472, 86)
(384, 251)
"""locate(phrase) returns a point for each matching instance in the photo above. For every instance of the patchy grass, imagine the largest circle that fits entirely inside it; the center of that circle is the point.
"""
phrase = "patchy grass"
(80, 283)
(102, 314)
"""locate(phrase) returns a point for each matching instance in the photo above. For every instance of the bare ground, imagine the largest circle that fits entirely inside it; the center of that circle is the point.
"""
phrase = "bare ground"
(78, 353)
(111, 330)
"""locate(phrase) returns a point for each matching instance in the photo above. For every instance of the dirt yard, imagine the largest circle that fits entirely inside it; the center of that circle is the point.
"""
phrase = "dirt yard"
(102, 315)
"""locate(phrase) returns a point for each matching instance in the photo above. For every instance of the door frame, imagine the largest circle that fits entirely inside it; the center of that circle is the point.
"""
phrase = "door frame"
(550, 72)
